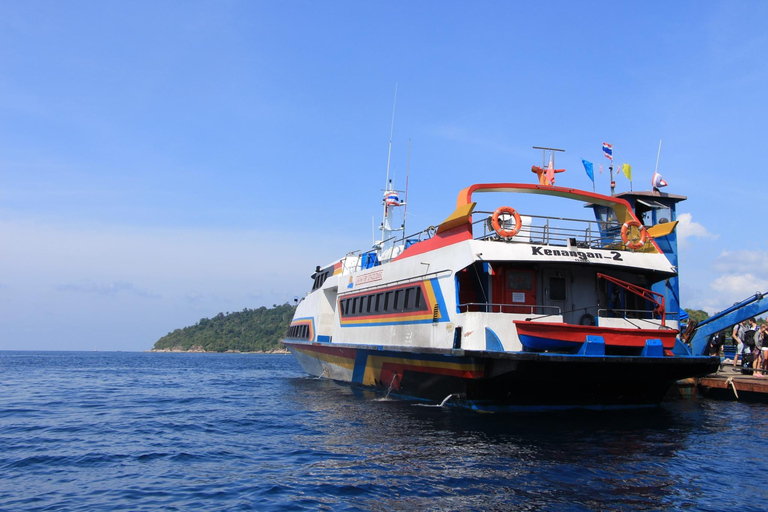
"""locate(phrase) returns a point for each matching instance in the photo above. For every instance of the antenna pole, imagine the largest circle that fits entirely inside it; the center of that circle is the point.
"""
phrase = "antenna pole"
(388, 184)
(391, 132)
(613, 182)
(657, 157)
(407, 173)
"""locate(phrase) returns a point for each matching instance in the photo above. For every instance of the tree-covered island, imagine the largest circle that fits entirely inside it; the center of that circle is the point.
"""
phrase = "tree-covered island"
(250, 330)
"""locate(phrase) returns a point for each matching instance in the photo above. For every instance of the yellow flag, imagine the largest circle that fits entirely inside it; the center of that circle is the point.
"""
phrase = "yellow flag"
(627, 171)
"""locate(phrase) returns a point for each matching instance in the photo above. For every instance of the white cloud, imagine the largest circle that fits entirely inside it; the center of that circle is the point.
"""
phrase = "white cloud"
(687, 228)
(739, 286)
(742, 262)
(112, 288)
(742, 274)
(127, 287)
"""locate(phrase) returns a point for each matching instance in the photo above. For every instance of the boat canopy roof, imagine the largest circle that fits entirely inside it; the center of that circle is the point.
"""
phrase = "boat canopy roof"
(465, 205)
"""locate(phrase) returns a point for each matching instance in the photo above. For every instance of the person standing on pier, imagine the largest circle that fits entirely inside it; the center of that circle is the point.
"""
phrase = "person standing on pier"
(751, 350)
(737, 334)
(763, 339)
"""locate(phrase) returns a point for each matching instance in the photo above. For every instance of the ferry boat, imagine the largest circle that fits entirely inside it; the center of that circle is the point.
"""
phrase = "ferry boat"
(501, 306)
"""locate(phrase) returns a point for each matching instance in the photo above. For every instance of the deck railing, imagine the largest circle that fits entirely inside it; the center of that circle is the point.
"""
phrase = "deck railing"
(555, 231)
(536, 229)
(522, 309)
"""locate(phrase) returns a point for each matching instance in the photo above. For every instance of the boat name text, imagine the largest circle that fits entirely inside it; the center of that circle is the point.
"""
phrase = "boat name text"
(581, 255)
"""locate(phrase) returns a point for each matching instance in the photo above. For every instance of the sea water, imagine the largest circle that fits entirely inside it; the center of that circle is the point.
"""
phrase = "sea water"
(149, 431)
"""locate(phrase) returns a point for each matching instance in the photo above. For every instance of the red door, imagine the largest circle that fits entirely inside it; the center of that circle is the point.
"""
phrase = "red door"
(515, 290)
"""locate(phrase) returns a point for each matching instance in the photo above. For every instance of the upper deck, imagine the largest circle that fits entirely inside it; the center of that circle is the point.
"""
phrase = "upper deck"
(604, 230)
(600, 227)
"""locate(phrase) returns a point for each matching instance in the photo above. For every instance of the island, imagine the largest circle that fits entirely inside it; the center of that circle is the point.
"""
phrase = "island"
(250, 330)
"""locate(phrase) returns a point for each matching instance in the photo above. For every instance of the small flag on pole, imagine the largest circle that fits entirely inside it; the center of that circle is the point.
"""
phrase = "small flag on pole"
(590, 169)
(627, 169)
(608, 150)
(392, 199)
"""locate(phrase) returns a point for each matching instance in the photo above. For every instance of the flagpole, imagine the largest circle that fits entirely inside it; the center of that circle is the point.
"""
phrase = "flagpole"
(613, 183)
(657, 158)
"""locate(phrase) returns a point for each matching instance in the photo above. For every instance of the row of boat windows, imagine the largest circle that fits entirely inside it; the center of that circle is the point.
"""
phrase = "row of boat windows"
(389, 301)
(320, 278)
(299, 332)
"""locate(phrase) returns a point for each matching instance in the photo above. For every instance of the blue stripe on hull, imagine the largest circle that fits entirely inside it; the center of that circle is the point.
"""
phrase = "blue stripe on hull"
(361, 359)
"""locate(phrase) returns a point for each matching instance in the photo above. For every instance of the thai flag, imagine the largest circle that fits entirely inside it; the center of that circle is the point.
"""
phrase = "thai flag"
(392, 199)
(608, 150)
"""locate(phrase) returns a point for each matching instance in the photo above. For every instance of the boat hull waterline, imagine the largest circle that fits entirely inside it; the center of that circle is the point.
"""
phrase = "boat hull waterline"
(498, 381)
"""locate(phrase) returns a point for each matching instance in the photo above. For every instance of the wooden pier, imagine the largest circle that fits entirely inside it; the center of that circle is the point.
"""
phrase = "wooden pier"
(731, 384)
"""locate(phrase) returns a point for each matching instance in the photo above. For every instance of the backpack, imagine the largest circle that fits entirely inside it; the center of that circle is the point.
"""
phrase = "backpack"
(715, 342)
(749, 338)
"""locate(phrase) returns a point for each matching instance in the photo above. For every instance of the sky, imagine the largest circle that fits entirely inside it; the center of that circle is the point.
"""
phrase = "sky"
(165, 161)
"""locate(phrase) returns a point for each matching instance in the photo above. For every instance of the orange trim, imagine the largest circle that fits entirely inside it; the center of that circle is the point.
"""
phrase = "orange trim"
(441, 239)
(622, 208)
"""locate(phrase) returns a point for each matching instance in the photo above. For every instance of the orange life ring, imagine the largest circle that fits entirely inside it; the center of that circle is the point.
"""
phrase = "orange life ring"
(637, 244)
(506, 233)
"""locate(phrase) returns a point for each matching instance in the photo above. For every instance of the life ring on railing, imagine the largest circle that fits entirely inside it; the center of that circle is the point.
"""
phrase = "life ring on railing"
(506, 233)
(635, 244)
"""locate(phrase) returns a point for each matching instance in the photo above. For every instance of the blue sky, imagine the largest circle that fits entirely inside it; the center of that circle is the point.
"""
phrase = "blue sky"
(161, 162)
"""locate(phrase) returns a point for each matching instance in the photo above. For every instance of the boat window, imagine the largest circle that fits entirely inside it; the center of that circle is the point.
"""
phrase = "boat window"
(321, 276)
(417, 298)
(557, 288)
(520, 280)
(403, 299)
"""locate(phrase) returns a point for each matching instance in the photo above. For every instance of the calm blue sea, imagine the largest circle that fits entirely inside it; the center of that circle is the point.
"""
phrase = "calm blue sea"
(149, 431)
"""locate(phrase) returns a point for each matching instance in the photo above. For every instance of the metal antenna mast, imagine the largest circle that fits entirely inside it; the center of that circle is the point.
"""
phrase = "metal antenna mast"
(391, 132)
(657, 157)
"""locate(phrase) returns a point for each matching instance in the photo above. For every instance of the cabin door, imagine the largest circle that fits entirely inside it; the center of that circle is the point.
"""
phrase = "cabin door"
(515, 290)
(558, 294)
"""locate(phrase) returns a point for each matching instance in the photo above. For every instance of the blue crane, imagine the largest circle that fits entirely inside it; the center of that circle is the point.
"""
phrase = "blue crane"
(747, 308)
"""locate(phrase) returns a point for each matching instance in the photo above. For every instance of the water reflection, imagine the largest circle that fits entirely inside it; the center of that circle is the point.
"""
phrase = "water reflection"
(633, 459)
